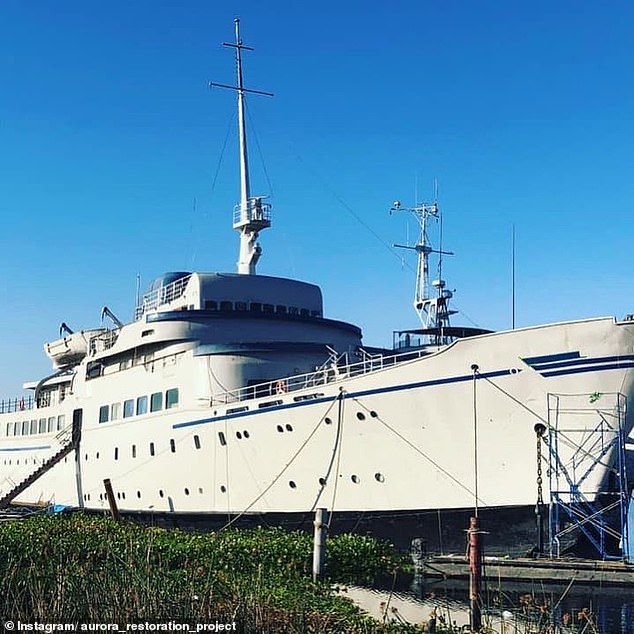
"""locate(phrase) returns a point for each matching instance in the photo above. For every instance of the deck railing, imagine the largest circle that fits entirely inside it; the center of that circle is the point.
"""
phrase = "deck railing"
(162, 295)
(329, 373)
(17, 404)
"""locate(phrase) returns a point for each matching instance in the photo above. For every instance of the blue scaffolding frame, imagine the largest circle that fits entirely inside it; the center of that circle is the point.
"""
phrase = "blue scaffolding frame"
(586, 434)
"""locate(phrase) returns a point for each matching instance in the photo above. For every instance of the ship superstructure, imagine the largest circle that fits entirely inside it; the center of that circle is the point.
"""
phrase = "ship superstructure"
(231, 397)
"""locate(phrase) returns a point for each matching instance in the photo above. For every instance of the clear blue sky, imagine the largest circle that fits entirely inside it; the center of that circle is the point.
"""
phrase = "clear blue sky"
(110, 141)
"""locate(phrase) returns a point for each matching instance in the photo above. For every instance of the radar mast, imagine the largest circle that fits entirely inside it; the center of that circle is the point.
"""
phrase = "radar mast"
(252, 214)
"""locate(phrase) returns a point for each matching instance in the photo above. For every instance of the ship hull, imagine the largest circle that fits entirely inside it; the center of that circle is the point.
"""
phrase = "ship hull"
(399, 447)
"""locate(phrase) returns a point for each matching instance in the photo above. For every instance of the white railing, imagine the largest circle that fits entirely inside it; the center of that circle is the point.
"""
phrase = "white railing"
(162, 295)
(330, 373)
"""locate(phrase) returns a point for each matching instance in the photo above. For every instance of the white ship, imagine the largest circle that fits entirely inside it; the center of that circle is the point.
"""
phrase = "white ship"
(231, 397)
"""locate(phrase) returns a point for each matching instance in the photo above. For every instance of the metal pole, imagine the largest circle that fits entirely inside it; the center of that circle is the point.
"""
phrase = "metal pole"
(475, 574)
(114, 511)
(319, 543)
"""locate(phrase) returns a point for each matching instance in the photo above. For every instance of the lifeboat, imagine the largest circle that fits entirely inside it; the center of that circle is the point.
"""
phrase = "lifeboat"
(72, 348)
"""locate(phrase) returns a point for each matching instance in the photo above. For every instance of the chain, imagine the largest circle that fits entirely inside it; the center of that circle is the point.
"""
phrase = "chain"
(540, 480)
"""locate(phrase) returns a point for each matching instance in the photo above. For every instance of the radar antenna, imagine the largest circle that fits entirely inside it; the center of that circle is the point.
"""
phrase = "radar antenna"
(251, 215)
(431, 307)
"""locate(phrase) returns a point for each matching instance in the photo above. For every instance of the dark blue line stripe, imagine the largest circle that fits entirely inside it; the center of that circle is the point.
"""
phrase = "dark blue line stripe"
(592, 368)
(586, 361)
(24, 448)
(552, 357)
(380, 390)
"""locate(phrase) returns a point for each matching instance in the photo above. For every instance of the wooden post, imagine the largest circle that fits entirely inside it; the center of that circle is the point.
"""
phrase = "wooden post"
(114, 511)
(475, 574)
(319, 543)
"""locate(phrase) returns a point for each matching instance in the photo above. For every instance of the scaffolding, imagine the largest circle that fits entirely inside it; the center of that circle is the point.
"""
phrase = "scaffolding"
(587, 472)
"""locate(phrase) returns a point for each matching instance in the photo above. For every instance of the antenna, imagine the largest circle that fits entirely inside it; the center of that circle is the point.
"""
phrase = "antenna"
(513, 276)
(251, 215)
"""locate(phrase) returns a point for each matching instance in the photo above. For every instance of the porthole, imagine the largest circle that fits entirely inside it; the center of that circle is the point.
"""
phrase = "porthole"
(151, 449)
(123, 494)
(238, 435)
(118, 495)
(172, 445)
(186, 491)
(379, 477)
(86, 457)
(138, 494)
(223, 488)
(222, 439)
(97, 455)
(116, 453)
(355, 478)
(246, 433)
(373, 414)
(161, 494)
(360, 415)
(289, 428)
(200, 490)
(292, 484)
(197, 442)
(280, 428)
(328, 421)
(322, 481)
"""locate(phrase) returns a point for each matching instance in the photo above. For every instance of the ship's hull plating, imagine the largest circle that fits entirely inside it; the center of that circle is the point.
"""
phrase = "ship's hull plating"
(395, 450)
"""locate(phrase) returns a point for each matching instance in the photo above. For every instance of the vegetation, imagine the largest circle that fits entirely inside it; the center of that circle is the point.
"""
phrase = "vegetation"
(87, 569)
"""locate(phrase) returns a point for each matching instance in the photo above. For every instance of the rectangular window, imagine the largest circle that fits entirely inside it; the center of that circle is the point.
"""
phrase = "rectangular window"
(9, 429)
(128, 408)
(210, 304)
(116, 453)
(134, 451)
(42, 426)
(151, 449)
(221, 438)
(33, 427)
(172, 445)
(256, 307)
(25, 428)
(281, 310)
(61, 421)
(171, 398)
(51, 423)
(156, 402)
(240, 306)
(125, 364)
(197, 441)
(226, 305)
(141, 405)
(268, 308)
(104, 410)
(115, 411)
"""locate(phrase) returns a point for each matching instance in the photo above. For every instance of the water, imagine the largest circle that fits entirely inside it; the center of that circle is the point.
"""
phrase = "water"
(510, 607)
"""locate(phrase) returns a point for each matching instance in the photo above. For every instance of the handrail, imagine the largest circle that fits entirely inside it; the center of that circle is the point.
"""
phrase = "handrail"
(322, 376)
(9, 405)
(162, 295)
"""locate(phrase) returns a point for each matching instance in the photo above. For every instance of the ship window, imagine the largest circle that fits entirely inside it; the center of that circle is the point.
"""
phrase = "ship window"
(141, 405)
(128, 408)
(293, 310)
(292, 484)
(256, 307)
(147, 333)
(156, 401)
(33, 427)
(103, 413)
(51, 423)
(61, 421)
(93, 370)
(25, 428)
(238, 435)
(186, 491)
(151, 449)
(115, 411)
(304, 312)
(281, 310)
(161, 493)
(240, 306)
(9, 429)
(226, 305)
(171, 398)
(315, 313)
(197, 442)
(125, 364)
(172, 445)
(42, 426)
(134, 451)
(116, 453)
(234, 410)
(210, 304)
(268, 308)
(221, 438)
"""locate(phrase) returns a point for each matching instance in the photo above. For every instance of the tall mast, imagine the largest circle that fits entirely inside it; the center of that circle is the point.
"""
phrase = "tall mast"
(252, 214)
(432, 309)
